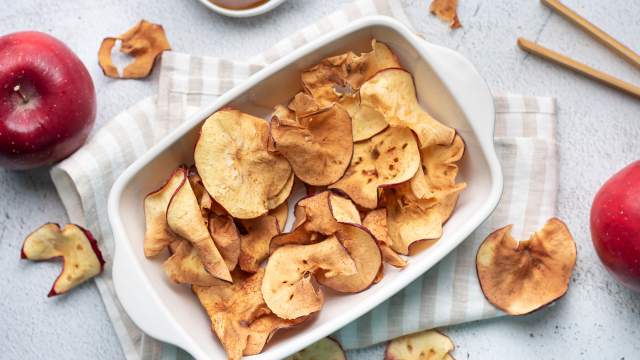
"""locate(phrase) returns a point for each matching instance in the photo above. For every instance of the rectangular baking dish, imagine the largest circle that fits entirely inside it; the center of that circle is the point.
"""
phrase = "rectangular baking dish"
(448, 86)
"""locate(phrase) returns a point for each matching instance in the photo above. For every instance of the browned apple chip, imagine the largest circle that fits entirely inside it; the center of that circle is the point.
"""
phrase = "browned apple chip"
(519, 277)
(185, 220)
(439, 164)
(365, 121)
(226, 237)
(363, 249)
(324, 349)
(185, 267)
(237, 170)
(376, 222)
(157, 234)
(446, 10)
(144, 42)
(255, 241)
(204, 199)
(391, 92)
(317, 146)
(389, 158)
(430, 344)
(263, 328)
(303, 105)
(281, 214)
(289, 289)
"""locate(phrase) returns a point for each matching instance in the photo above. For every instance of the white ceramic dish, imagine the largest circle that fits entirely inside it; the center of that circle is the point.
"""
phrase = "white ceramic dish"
(448, 86)
(258, 10)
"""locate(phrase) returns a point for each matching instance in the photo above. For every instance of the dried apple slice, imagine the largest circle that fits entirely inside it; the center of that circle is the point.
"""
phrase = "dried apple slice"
(81, 257)
(325, 349)
(376, 222)
(204, 199)
(439, 164)
(317, 146)
(237, 170)
(365, 121)
(185, 220)
(226, 237)
(430, 344)
(254, 245)
(519, 277)
(363, 249)
(157, 235)
(281, 214)
(185, 267)
(262, 330)
(288, 287)
(389, 158)
(446, 10)
(391, 92)
(303, 104)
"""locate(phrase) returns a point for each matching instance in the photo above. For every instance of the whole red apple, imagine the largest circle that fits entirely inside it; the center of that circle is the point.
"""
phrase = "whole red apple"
(47, 100)
(615, 225)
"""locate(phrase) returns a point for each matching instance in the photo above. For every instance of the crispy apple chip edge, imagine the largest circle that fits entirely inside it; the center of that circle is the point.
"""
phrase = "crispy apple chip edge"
(520, 277)
(145, 42)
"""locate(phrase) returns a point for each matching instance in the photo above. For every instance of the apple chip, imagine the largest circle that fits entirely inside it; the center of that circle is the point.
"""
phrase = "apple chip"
(226, 237)
(391, 92)
(363, 249)
(365, 121)
(288, 287)
(145, 42)
(389, 158)
(185, 220)
(446, 10)
(263, 328)
(204, 199)
(519, 277)
(318, 146)
(237, 170)
(325, 349)
(303, 105)
(254, 245)
(430, 344)
(81, 257)
(376, 222)
(281, 214)
(157, 234)
(185, 267)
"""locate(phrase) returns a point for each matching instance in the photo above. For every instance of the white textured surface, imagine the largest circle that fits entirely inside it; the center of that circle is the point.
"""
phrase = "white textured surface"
(599, 132)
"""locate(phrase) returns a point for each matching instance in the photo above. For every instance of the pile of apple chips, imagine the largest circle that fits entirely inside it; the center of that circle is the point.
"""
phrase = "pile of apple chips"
(381, 179)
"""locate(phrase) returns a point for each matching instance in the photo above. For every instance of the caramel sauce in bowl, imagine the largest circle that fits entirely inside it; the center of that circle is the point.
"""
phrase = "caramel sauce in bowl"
(241, 8)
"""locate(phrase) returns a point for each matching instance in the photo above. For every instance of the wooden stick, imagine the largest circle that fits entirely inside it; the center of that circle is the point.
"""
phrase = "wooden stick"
(578, 67)
(624, 52)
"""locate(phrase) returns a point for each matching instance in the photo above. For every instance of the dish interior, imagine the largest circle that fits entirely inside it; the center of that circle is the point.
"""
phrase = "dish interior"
(259, 100)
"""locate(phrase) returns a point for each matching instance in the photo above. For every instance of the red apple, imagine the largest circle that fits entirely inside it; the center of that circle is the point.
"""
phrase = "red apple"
(47, 100)
(615, 225)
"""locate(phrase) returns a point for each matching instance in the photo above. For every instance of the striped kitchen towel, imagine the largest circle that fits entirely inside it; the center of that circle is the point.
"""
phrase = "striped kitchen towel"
(448, 294)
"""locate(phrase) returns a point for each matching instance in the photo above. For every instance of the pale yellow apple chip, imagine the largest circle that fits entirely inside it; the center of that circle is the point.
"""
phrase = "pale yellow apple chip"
(145, 42)
(255, 240)
(424, 345)
(185, 220)
(325, 349)
(226, 237)
(185, 267)
(439, 165)
(77, 247)
(446, 10)
(392, 93)
(237, 170)
(389, 158)
(157, 235)
(520, 277)
(365, 121)
(289, 288)
(363, 249)
(376, 222)
(317, 146)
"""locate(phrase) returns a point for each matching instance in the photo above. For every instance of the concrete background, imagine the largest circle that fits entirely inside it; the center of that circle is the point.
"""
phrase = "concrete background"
(598, 133)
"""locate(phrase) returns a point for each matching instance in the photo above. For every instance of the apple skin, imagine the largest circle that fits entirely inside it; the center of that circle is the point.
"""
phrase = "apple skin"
(47, 100)
(615, 225)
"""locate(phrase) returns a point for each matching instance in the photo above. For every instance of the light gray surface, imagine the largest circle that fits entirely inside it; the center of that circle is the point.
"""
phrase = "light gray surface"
(598, 133)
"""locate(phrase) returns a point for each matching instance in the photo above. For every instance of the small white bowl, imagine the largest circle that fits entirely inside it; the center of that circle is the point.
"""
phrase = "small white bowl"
(254, 11)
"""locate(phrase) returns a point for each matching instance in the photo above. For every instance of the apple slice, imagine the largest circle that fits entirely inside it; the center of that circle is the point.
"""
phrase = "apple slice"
(391, 92)
(520, 277)
(226, 237)
(254, 245)
(424, 345)
(185, 220)
(324, 349)
(185, 267)
(288, 286)
(77, 247)
(376, 222)
(157, 233)
(365, 121)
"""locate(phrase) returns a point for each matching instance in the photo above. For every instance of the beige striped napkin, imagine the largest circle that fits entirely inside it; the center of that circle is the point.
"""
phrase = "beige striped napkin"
(448, 294)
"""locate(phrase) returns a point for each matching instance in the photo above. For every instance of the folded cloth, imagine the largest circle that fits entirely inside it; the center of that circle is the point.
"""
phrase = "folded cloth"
(447, 294)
